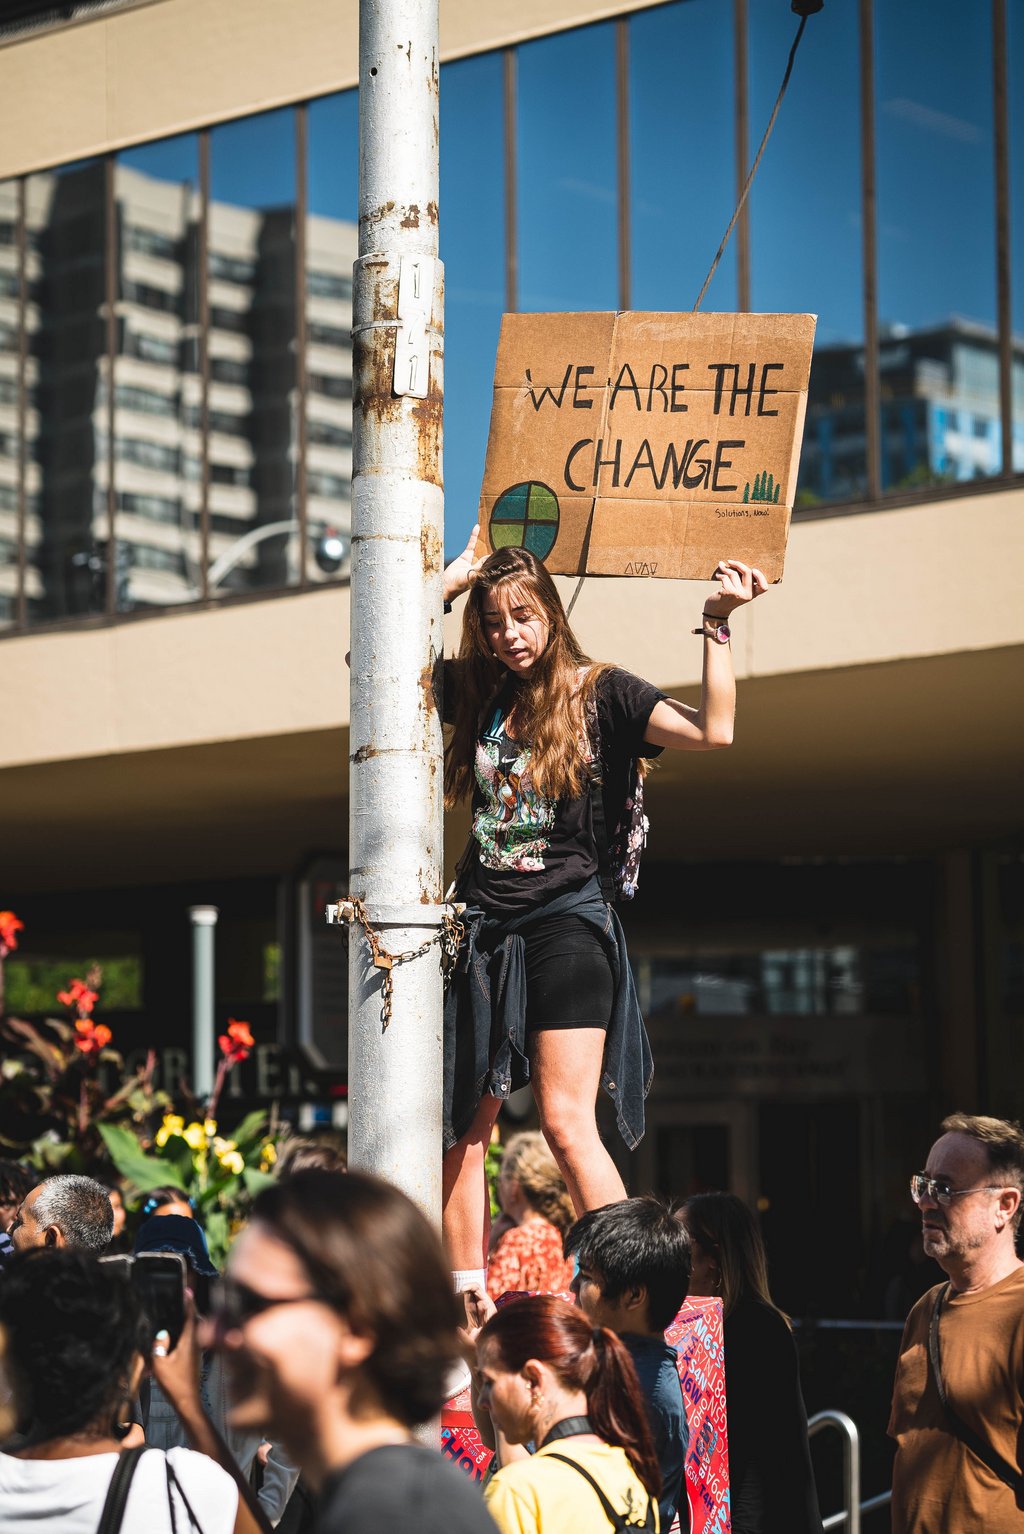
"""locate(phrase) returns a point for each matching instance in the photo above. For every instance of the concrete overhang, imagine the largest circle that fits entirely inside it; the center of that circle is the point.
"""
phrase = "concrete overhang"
(879, 710)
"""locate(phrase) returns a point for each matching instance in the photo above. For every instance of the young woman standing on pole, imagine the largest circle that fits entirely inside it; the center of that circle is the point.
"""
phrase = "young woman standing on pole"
(549, 747)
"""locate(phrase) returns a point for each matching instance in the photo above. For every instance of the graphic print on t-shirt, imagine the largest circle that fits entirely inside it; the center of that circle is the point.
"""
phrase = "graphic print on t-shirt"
(513, 823)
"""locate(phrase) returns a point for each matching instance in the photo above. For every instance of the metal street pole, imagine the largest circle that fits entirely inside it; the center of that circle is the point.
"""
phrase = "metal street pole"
(204, 923)
(395, 838)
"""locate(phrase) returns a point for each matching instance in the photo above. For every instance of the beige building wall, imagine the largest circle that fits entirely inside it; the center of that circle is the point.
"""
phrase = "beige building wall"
(860, 590)
(168, 66)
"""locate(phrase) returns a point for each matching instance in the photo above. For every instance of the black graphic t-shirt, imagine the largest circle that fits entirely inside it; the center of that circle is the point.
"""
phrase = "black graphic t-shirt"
(529, 848)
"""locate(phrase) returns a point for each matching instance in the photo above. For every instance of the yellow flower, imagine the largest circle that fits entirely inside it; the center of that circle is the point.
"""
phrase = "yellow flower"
(195, 1137)
(233, 1161)
(269, 1153)
(172, 1125)
(211, 1128)
(220, 1147)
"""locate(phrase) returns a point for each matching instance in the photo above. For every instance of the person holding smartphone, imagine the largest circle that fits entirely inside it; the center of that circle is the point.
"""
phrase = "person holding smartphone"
(77, 1344)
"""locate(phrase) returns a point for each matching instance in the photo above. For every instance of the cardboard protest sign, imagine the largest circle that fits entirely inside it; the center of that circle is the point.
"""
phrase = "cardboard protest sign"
(646, 444)
(696, 1335)
(462, 1444)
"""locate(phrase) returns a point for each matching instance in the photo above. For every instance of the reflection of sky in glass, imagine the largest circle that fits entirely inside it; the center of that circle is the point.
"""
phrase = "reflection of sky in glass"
(333, 173)
(169, 159)
(565, 121)
(473, 250)
(936, 211)
(805, 222)
(1015, 64)
(252, 162)
(935, 180)
(682, 119)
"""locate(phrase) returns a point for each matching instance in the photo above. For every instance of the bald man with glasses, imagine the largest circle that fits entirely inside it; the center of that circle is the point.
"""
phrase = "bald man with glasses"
(958, 1402)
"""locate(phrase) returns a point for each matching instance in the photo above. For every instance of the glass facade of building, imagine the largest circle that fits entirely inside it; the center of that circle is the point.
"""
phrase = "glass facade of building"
(175, 353)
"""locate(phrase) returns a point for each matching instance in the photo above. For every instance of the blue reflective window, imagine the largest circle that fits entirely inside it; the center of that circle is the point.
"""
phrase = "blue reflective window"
(332, 245)
(1015, 69)
(805, 227)
(936, 237)
(67, 543)
(566, 174)
(473, 249)
(157, 386)
(253, 292)
(9, 389)
(682, 151)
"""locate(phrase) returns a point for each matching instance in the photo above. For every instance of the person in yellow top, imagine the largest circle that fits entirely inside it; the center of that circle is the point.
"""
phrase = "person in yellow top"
(547, 1377)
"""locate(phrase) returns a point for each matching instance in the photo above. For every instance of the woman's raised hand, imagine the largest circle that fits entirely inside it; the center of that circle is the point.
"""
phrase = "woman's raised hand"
(737, 583)
(458, 576)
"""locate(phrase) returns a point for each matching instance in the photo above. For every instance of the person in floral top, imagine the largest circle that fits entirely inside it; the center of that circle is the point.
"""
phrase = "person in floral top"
(533, 1195)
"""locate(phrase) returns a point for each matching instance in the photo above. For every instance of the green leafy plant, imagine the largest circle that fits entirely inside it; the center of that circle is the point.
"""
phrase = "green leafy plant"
(220, 1175)
(58, 1112)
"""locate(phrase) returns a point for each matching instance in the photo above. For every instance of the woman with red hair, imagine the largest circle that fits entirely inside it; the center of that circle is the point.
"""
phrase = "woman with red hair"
(547, 1377)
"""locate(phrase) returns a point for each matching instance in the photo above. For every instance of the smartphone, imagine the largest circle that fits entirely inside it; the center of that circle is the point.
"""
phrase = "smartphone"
(159, 1279)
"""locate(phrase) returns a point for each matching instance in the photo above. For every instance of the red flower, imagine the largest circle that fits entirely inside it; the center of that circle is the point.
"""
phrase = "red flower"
(80, 996)
(238, 1042)
(10, 926)
(92, 1037)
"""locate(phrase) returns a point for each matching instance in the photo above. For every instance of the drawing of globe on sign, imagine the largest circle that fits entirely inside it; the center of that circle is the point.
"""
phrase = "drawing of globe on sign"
(525, 517)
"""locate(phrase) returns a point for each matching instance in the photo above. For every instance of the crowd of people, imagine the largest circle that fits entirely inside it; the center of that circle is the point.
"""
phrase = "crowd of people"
(291, 1396)
(297, 1389)
(302, 1384)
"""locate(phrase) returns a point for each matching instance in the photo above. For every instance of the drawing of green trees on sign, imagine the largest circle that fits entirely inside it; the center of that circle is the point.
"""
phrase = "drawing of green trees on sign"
(764, 488)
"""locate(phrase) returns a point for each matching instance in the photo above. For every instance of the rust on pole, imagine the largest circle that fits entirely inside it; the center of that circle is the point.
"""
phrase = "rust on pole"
(395, 763)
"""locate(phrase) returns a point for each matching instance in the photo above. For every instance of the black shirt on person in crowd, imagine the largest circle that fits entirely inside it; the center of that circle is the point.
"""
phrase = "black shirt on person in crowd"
(401, 1489)
(771, 1482)
(528, 848)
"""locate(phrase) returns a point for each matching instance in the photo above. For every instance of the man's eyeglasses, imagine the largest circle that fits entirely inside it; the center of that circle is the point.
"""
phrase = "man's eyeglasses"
(937, 1188)
(233, 1304)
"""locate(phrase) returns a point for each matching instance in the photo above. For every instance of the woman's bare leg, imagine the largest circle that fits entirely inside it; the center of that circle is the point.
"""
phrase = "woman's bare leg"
(565, 1072)
(467, 1205)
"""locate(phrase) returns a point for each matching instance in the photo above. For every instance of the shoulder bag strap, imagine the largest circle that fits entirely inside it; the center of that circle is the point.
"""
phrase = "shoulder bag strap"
(617, 1520)
(174, 1485)
(1006, 1472)
(117, 1492)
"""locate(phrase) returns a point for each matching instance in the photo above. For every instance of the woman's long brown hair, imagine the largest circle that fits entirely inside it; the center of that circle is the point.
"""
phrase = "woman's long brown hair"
(583, 1358)
(723, 1225)
(550, 704)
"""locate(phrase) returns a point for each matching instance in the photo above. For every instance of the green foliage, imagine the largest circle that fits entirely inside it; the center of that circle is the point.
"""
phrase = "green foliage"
(142, 1171)
(271, 971)
(32, 984)
(220, 1174)
(492, 1166)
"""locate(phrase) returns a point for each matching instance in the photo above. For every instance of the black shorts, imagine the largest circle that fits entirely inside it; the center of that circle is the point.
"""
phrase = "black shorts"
(569, 981)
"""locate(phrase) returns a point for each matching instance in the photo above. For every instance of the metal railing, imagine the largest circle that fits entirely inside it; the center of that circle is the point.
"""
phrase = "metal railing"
(853, 1508)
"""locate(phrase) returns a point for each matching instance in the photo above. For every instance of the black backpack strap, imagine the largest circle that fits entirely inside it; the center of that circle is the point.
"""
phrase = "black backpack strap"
(117, 1492)
(598, 818)
(1007, 1473)
(618, 1521)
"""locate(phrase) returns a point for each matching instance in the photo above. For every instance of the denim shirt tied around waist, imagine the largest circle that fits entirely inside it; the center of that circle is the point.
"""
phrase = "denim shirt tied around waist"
(485, 1015)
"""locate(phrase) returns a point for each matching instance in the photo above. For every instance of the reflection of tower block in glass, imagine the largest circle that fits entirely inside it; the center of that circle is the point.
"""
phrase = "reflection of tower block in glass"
(525, 517)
